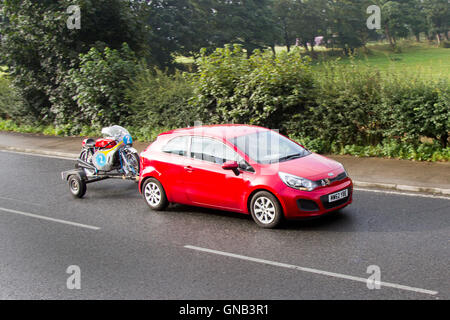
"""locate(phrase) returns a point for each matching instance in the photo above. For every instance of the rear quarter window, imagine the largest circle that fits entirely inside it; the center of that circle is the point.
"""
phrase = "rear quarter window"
(178, 146)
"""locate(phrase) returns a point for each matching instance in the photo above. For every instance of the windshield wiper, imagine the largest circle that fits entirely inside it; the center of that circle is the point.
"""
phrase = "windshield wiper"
(291, 157)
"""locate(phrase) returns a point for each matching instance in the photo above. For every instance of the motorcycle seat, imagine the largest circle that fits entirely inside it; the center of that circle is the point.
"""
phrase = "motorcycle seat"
(90, 143)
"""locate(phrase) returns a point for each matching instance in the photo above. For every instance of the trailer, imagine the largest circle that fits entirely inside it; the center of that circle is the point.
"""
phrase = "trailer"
(78, 179)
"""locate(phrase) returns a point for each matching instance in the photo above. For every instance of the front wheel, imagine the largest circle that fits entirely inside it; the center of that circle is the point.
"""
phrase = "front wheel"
(154, 195)
(266, 210)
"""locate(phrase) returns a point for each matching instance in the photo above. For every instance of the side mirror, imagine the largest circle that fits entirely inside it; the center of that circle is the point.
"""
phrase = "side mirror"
(231, 165)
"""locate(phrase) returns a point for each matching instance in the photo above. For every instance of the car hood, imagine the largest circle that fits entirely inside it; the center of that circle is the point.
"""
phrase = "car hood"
(313, 167)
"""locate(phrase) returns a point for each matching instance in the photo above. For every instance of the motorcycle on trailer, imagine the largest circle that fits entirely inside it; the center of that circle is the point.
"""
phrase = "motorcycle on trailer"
(112, 156)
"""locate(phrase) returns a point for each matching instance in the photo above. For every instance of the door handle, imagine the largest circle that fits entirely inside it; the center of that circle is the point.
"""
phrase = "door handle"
(188, 168)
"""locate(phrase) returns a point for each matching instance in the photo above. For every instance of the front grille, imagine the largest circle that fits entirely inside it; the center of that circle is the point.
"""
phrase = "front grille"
(307, 205)
(329, 205)
(339, 177)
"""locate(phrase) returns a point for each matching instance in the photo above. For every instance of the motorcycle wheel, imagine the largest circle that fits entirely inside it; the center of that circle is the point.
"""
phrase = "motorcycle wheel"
(133, 159)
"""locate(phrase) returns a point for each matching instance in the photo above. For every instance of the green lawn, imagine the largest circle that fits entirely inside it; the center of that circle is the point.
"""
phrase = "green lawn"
(422, 59)
(419, 58)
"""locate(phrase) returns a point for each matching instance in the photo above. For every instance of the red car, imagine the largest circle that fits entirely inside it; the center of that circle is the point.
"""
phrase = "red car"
(242, 168)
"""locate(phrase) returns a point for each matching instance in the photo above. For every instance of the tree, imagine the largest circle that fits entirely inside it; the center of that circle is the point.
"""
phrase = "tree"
(175, 27)
(394, 20)
(283, 11)
(250, 23)
(438, 17)
(311, 21)
(39, 48)
(415, 18)
(348, 29)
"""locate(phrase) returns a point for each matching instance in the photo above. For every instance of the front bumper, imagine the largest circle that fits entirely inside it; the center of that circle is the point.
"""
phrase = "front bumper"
(303, 204)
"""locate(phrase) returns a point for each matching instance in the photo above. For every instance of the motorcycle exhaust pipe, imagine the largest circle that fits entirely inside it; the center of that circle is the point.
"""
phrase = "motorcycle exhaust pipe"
(86, 165)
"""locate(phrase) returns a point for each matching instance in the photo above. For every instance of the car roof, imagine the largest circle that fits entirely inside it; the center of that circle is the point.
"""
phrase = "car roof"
(218, 131)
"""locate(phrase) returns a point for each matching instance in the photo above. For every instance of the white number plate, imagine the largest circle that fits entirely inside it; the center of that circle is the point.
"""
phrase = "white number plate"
(338, 195)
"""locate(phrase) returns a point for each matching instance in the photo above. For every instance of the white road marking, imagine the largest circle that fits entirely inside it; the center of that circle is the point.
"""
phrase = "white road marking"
(38, 155)
(311, 270)
(32, 215)
(403, 193)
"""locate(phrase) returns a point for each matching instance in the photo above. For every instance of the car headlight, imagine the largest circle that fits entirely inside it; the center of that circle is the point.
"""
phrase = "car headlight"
(298, 183)
(343, 168)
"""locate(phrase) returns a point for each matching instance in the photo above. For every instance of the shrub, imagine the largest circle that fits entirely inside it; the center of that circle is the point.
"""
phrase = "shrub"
(413, 107)
(11, 104)
(100, 85)
(345, 110)
(159, 100)
(262, 90)
(445, 44)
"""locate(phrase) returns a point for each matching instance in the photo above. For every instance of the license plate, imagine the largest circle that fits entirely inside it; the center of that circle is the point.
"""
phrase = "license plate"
(338, 195)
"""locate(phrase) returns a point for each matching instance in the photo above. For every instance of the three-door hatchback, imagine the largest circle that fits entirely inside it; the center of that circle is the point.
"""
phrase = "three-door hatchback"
(242, 168)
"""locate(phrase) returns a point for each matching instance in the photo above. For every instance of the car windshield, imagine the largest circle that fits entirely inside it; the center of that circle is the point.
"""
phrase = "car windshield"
(115, 132)
(269, 147)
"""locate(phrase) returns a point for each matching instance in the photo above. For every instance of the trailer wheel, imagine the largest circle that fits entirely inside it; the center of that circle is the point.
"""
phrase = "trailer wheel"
(77, 186)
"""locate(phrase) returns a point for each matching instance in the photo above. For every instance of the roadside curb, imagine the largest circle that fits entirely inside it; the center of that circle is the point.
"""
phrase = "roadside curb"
(361, 184)
(41, 152)
(400, 187)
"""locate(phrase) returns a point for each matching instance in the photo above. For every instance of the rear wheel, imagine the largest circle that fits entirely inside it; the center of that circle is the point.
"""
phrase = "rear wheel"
(77, 186)
(154, 195)
(266, 210)
(133, 162)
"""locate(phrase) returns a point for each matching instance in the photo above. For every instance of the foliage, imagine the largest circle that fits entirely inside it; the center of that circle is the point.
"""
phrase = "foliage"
(413, 108)
(11, 104)
(388, 148)
(346, 106)
(262, 90)
(39, 48)
(100, 85)
(47, 129)
(160, 100)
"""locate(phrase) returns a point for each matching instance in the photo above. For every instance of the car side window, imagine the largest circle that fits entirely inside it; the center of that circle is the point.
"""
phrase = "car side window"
(212, 151)
(178, 146)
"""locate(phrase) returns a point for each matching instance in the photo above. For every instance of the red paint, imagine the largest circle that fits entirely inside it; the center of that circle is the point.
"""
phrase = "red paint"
(201, 183)
(105, 143)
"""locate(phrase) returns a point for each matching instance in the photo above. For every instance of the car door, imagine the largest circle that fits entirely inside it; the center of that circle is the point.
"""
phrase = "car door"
(207, 183)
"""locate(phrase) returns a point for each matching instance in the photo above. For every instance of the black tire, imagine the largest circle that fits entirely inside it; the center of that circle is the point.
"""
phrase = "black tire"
(154, 195)
(137, 160)
(134, 158)
(266, 210)
(77, 186)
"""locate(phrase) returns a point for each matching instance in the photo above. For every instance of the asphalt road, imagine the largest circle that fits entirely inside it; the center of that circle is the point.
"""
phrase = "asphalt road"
(126, 251)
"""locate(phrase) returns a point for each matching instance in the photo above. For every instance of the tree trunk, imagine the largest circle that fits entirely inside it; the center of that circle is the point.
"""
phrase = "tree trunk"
(446, 36)
(273, 50)
(388, 36)
(417, 37)
(444, 140)
(286, 38)
(305, 45)
(438, 38)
